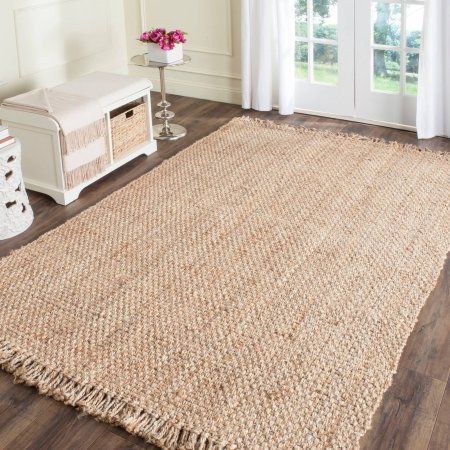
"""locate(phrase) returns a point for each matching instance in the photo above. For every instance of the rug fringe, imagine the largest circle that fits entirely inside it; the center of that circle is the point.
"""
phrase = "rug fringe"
(160, 431)
(330, 133)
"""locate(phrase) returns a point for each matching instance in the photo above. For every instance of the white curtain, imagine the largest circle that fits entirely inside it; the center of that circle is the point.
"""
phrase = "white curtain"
(433, 100)
(268, 55)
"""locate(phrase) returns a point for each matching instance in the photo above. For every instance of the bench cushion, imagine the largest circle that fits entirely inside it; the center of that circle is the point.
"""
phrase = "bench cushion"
(107, 88)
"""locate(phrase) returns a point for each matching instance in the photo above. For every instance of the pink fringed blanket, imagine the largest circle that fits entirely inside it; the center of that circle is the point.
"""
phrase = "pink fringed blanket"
(83, 129)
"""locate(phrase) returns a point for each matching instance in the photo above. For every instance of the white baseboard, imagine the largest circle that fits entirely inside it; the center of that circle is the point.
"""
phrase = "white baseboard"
(201, 90)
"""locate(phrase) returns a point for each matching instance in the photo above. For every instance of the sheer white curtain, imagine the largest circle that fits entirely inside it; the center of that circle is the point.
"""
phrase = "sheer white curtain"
(433, 100)
(268, 54)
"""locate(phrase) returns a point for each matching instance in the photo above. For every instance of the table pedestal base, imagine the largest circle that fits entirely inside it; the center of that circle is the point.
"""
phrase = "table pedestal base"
(166, 131)
(169, 132)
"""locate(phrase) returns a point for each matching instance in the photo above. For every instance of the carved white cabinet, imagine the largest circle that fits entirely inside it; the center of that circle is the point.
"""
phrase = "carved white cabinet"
(16, 214)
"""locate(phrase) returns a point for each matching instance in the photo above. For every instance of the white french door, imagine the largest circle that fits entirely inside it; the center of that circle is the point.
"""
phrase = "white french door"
(388, 38)
(359, 58)
(325, 56)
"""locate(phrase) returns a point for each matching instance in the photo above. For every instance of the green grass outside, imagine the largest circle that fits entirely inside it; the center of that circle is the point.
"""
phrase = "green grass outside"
(392, 83)
(325, 73)
(387, 84)
(412, 80)
(301, 70)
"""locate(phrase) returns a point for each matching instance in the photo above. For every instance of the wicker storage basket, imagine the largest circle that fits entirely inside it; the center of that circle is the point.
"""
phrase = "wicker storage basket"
(128, 128)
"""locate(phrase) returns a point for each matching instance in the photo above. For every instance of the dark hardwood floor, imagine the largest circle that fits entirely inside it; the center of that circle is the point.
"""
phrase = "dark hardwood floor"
(415, 411)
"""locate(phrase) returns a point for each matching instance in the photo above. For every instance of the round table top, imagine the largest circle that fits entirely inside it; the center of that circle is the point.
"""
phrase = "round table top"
(143, 60)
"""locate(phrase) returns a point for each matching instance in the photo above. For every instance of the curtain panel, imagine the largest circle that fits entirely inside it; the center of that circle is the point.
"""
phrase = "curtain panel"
(268, 55)
(433, 100)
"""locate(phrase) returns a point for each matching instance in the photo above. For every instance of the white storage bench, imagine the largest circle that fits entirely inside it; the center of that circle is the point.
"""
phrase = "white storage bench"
(128, 116)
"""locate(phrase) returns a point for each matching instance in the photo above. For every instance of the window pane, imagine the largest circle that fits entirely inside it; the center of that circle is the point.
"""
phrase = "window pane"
(325, 19)
(326, 63)
(386, 71)
(412, 73)
(301, 60)
(414, 22)
(301, 22)
(387, 19)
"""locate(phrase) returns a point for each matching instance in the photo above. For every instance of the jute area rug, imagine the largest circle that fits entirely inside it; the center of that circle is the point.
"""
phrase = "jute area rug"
(253, 292)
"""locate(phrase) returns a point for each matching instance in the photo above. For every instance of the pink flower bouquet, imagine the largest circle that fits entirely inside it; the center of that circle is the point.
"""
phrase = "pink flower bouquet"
(166, 41)
(164, 46)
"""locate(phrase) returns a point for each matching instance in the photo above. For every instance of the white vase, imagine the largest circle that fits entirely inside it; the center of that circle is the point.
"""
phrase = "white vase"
(155, 53)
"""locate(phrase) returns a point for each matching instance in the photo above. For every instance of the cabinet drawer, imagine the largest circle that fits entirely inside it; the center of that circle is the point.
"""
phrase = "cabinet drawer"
(128, 128)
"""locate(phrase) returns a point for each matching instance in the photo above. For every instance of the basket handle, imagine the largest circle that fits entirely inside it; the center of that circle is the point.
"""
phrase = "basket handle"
(129, 114)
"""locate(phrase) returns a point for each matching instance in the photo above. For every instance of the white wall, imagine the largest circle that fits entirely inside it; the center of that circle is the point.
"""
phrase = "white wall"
(46, 42)
(213, 28)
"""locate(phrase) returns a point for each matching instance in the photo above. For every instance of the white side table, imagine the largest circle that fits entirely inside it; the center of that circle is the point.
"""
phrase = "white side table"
(16, 214)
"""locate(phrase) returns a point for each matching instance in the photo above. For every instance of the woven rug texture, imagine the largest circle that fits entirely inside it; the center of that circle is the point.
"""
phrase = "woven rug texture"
(254, 292)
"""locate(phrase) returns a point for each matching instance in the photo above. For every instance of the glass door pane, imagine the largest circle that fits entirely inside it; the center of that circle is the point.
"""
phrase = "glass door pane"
(386, 71)
(301, 60)
(326, 68)
(325, 19)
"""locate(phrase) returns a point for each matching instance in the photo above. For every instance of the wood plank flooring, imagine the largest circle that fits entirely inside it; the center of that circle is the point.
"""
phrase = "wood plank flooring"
(415, 411)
